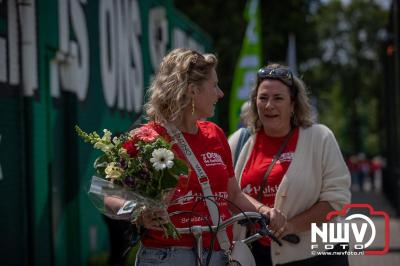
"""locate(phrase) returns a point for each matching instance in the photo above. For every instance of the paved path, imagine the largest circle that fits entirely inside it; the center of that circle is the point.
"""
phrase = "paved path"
(379, 202)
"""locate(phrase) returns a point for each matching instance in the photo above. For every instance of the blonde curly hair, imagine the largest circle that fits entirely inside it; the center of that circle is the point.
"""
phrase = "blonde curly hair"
(168, 94)
(302, 108)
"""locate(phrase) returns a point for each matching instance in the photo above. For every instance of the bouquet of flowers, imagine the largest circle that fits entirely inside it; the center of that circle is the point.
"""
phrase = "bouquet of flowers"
(138, 169)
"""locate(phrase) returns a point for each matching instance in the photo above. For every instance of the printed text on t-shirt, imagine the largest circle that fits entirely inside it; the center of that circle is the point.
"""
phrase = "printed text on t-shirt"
(212, 159)
(269, 191)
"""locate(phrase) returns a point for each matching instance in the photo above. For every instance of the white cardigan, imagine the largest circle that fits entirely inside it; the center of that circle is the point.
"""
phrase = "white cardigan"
(317, 173)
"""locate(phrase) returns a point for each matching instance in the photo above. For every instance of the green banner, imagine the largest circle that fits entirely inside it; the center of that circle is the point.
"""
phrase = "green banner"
(63, 63)
(247, 65)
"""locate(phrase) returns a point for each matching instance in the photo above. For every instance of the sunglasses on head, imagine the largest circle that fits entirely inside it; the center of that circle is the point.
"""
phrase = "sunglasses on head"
(281, 73)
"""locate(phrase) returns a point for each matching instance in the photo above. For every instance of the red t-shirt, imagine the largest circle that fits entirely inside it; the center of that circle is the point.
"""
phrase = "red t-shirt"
(213, 153)
(260, 158)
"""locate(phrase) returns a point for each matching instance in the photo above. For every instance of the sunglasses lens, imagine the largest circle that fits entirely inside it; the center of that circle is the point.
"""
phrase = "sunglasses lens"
(283, 74)
(262, 73)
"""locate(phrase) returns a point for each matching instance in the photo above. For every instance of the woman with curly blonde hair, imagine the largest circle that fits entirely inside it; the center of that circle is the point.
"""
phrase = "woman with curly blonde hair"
(170, 93)
(181, 97)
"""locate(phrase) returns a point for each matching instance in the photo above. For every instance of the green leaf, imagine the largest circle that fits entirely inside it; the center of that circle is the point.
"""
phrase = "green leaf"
(179, 167)
(100, 164)
(168, 181)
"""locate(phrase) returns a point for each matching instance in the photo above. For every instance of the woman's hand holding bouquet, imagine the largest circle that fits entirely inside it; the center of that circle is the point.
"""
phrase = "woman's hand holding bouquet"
(138, 174)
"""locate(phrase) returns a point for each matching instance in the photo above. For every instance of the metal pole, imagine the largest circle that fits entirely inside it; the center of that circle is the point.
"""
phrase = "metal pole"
(396, 32)
(396, 128)
(198, 235)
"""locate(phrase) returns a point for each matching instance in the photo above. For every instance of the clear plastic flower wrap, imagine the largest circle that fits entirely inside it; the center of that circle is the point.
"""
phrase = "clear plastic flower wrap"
(137, 172)
(120, 203)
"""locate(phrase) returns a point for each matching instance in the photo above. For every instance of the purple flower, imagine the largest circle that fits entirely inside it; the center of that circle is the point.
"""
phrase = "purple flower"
(123, 164)
(130, 181)
(144, 174)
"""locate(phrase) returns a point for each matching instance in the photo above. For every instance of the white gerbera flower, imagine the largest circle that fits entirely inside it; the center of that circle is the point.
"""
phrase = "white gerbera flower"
(162, 158)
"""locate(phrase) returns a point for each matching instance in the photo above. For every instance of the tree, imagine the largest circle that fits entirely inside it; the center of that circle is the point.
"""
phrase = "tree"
(338, 45)
(224, 22)
(348, 75)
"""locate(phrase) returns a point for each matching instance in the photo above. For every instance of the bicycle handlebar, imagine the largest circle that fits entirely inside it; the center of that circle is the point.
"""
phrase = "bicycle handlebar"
(222, 225)
(262, 219)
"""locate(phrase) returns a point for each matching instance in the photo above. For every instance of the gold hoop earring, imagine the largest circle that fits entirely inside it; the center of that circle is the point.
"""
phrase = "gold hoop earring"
(192, 106)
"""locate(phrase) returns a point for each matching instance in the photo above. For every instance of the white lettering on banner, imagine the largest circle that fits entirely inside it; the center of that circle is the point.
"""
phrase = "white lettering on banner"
(108, 59)
(120, 54)
(29, 48)
(193, 44)
(158, 35)
(81, 60)
(63, 26)
(249, 61)
(73, 56)
(134, 44)
(181, 39)
(13, 41)
(251, 33)
(248, 81)
(20, 55)
(1, 170)
(63, 49)
(3, 60)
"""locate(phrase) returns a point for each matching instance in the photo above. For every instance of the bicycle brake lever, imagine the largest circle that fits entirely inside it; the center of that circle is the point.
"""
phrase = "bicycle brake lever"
(270, 235)
(292, 238)
(265, 231)
(247, 221)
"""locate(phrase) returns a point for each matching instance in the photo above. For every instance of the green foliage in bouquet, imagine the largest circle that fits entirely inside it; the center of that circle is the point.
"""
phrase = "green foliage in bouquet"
(141, 161)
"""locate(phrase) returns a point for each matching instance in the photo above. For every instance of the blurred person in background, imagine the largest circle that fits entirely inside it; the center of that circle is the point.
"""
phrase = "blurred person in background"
(243, 110)
(354, 168)
(376, 165)
(289, 163)
(364, 169)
